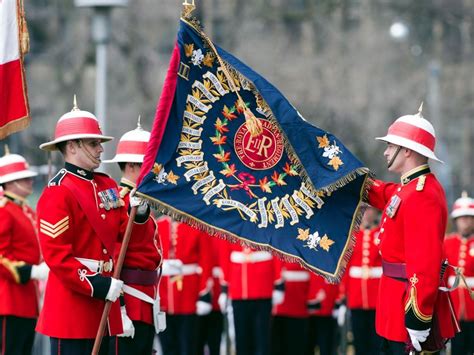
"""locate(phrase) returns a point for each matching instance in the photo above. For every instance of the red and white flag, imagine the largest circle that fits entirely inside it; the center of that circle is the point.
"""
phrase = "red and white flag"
(14, 109)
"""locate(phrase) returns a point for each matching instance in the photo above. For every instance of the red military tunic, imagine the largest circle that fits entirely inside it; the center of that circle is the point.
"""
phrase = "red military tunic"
(324, 293)
(179, 293)
(142, 259)
(297, 281)
(412, 232)
(250, 274)
(18, 242)
(364, 270)
(67, 233)
(460, 253)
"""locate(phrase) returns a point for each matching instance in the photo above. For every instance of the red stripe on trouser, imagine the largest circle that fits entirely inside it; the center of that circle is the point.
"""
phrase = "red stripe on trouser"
(59, 346)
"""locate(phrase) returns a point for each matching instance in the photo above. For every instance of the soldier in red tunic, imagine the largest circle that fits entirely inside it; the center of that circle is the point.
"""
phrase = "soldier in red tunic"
(361, 284)
(412, 314)
(459, 248)
(322, 324)
(20, 258)
(186, 269)
(210, 318)
(143, 257)
(79, 215)
(290, 318)
(252, 283)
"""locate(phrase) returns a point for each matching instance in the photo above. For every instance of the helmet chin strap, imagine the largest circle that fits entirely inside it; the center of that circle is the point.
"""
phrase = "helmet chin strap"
(88, 153)
(394, 156)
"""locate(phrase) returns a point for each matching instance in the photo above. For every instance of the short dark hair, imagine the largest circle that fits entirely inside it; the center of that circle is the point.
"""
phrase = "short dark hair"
(62, 147)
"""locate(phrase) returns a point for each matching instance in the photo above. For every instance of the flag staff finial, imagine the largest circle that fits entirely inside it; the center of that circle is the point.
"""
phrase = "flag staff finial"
(188, 8)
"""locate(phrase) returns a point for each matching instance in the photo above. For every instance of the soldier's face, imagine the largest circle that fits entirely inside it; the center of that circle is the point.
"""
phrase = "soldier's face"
(389, 152)
(89, 153)
(465, 224)
(22, 187)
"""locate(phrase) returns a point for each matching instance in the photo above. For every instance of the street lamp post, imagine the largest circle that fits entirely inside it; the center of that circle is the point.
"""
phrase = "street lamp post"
(101, 37)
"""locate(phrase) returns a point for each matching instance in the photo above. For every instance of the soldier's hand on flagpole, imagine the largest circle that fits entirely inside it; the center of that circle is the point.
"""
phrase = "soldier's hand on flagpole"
(417, 337)
(114, 290)
(40, 272)
(143, 209)
(127, 324)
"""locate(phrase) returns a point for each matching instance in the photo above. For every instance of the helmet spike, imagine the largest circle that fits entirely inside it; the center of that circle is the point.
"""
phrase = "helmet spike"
(420, 110)
(139, 126)
(74, 104)
(464, 194)
(7, 150)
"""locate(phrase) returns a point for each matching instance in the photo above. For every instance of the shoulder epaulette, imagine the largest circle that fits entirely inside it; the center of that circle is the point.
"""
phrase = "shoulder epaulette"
(56, 180)
(420, 184)
(3, 201)
(124, 191)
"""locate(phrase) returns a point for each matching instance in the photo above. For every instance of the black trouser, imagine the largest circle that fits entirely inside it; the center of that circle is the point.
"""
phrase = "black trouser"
(366, 340)
(289, 335)
(61, 346)
(252, 326)
(141, 343)
(17, 335)
(390, 347)
(463, 343)
(209, 332)
(322, 333)
(179, 338)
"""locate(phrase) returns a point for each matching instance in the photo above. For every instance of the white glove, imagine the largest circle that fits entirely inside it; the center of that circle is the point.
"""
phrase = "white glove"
(127, 324)
(172, 267)
(203, 308)
(222, 301)
(114, 290)
(339, 314)
(278, 296)
(417, 337)
(39, 272)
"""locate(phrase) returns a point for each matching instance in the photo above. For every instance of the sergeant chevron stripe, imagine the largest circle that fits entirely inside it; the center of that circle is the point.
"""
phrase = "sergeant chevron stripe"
(54, 230)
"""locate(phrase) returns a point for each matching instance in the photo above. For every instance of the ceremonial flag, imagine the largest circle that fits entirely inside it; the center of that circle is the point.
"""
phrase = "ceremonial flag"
(282, 185)
(14, 109)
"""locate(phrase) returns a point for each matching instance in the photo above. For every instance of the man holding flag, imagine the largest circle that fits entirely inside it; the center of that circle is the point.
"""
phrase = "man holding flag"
(412, 313)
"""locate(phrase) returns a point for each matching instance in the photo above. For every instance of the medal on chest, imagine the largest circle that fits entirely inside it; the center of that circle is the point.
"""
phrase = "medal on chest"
(109, 198)
(393, 206)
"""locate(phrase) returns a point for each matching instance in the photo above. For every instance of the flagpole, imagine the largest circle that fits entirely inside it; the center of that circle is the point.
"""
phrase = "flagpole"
(117, 272)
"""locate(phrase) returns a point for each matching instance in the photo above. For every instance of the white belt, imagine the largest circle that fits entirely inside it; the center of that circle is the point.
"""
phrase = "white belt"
(358, 272)
(190, 269)
(144, 297)
(254, 257)
(469, 281)
(99, 266)
(295, 275)
(216, 272)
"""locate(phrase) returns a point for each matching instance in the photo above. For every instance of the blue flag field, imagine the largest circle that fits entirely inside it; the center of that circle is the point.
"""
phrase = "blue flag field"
(289, 187)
